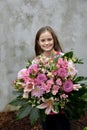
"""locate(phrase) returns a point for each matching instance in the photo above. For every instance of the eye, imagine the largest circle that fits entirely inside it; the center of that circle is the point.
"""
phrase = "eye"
(42, 40)
(49, 39)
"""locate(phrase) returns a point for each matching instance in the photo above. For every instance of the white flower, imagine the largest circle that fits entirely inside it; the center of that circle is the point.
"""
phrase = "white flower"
(76, 87)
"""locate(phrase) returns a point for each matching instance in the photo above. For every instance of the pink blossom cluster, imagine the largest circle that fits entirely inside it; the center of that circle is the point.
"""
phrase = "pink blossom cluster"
(48, 81)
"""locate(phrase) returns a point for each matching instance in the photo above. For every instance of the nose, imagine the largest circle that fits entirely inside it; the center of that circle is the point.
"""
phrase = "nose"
(46, 42)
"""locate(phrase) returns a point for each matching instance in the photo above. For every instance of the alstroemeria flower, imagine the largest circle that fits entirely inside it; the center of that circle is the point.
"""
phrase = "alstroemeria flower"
(71, 69)
(64, 96)
(46, 87)
(55, 89)
(58, 81)
(50, 81)
(76, 87)
(62, 72)
(48, 104)
(61, 63)
(29, 86)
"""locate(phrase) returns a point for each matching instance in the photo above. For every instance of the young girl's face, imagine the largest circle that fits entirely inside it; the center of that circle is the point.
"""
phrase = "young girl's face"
(46, 41)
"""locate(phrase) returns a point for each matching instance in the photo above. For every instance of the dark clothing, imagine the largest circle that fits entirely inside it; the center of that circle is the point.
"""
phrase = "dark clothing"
(56, 122)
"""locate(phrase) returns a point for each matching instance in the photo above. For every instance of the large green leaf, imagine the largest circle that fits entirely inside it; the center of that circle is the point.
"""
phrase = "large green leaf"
(77, 103)
(75, 109)
(18, 101)
(80, 79)
(68, 54)
(24, 111)
(34, 115)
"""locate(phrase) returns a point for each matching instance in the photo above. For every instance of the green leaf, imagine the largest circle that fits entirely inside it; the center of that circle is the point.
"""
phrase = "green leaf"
(74, 109)
(24, 111)
(18, 101)
(68, 54)
(42, 115)
(84, 97)
(79, 79)
(17, 93)
(79, 61)
(34, 115)
(52, 67)
(28, 64)
(78, 94)
(85, 128)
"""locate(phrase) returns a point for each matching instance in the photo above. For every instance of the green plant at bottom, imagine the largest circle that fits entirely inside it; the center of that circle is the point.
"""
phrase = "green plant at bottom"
(85, 128)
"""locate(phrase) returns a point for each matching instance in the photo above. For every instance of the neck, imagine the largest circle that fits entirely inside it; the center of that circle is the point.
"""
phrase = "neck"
(49, 53)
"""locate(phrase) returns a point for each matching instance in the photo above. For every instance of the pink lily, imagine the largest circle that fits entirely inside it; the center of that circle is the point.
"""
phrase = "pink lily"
(48, 104)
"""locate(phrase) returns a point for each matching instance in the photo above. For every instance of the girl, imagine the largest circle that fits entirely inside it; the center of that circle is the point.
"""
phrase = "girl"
(47, 45)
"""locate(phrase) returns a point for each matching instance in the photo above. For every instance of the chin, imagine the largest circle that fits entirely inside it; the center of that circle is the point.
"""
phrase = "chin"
(48, 50)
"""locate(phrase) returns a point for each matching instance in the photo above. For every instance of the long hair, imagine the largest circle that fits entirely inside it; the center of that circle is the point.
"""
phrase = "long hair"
(38, 49)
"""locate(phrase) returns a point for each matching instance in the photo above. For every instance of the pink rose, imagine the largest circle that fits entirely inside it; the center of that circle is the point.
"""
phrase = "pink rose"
(68, 86)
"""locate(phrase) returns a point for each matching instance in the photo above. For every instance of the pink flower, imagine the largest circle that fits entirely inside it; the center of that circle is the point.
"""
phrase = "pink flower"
(41, 78)
(43, 86)
(54, 72)
(68, 86)
(24, 74)
(71, 69)
(55, 89)
(62, 72)
(50, 81)
(48, 87)
(64, 96)
(28, 88)
(37, 91)
(58, 81)
(21, 73)
(33, 69)
(61, 63)
(48, 104)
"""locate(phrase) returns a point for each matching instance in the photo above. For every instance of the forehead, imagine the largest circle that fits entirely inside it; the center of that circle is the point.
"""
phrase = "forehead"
(45, 34)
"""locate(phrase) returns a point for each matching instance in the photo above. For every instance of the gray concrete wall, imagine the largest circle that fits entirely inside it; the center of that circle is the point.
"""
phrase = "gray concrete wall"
(19, 22)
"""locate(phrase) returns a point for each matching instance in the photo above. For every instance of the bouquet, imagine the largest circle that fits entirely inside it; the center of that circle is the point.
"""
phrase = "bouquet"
(50, 85)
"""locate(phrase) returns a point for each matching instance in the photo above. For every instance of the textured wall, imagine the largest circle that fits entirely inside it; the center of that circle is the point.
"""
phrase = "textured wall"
(19, 22)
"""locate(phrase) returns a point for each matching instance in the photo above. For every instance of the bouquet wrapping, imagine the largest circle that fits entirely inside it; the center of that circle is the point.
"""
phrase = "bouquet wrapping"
(50, 85)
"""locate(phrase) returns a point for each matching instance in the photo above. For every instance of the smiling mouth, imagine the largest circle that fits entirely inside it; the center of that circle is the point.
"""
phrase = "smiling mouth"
(47, 45)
